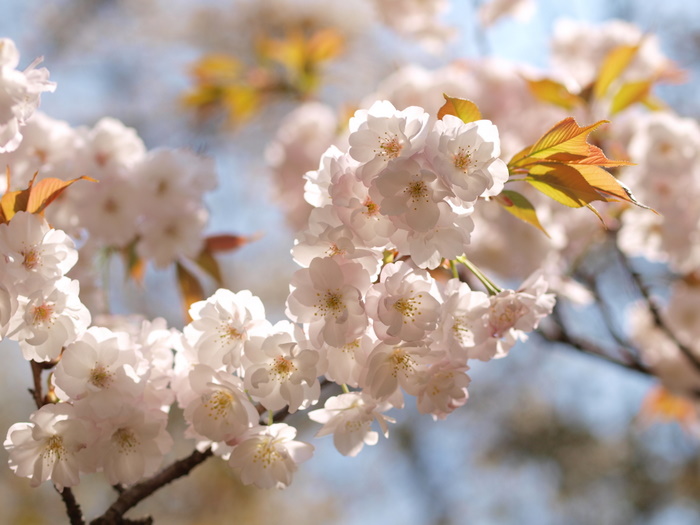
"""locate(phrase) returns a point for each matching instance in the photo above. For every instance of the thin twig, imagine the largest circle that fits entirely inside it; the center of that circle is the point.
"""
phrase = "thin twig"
(625, 346)
(655, 310)
(558, 334)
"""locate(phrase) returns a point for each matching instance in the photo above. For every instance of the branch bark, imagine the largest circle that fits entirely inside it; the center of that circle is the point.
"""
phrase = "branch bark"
(134, 495)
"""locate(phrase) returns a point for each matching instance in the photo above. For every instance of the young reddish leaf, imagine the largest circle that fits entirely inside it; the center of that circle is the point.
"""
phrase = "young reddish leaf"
(461, 108)
(613, 65)
(135, 265)
(47, 190)
(562, 183)
(629, 94)
(190, 288)
(209, 264)
(564, 166)
(518, 205)
(14, 201)
(660, 404)
(553, 92)
(226, 242)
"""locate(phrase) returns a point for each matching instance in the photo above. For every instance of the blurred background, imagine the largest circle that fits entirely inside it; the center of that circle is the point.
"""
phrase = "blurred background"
(549, 435)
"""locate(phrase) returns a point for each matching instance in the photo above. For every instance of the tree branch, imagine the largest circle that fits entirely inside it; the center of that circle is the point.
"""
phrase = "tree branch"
(75, 514)
(557, 333)
(655, 310)
(134, 495)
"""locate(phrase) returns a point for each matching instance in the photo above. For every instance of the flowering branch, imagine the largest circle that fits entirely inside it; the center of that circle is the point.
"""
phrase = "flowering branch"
(134, 495)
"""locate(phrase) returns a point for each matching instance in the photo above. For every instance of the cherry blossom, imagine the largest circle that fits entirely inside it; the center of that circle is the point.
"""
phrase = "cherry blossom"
(222, 324)
(349, 418)
(280, 372)
(35, 255)
(328, 296)
(221, 411)
(49, 446)
(382, 133)
(48, 319)
(19, 94)
(402, 305)
(466, 156)
(267, 457)
(131, 446)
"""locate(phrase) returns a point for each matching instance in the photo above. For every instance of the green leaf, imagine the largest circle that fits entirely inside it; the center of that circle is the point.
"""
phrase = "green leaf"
(461, 108)
(519, 206)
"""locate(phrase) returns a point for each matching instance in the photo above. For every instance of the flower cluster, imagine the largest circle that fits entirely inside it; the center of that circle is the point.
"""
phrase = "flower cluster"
(19, 94)
(150, 202)
(112, 388)
(392, 207)
(370, 309)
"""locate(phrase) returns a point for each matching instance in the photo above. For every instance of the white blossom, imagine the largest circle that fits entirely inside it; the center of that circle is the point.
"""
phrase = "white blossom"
(267, 457)
(349, 418)
(49, 446)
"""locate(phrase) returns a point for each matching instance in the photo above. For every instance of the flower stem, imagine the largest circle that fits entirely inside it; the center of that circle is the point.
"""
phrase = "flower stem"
(492, 288)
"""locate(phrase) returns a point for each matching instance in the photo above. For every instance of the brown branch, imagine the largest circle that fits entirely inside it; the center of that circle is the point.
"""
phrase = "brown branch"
(134, 495)
(556, 333)
(75, 514)
(129, 498)
(655, 310)
(37, 392)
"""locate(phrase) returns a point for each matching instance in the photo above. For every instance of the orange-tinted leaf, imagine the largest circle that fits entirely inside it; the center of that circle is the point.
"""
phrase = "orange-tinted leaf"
(227, 242)
(242, 102)
(654, 104)
(564, 166)
(660, 404)
(14, 201)
(326, 44)
(135, 265)
(461, 108)
(566, 137)
(609, 188)
(518, 205)
(190, 288)
(47, 190)
(209, 264)
(578, 185)
(553, 92)
(629, 94)
(216, 69)
(613, 65)
(563, 183)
